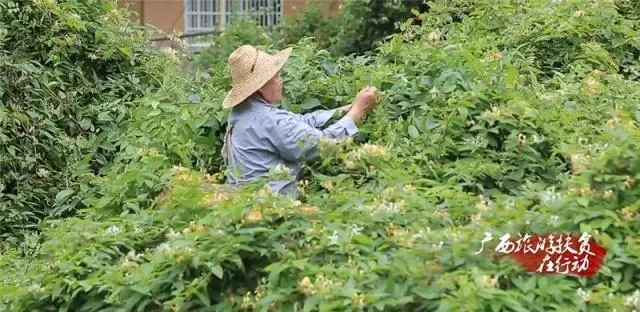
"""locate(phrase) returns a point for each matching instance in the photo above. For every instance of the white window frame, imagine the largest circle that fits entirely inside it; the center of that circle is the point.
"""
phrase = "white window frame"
(211, 15)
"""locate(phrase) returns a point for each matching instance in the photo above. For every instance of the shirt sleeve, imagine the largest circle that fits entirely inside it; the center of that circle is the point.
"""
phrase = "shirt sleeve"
(296, 140)
(319, 117)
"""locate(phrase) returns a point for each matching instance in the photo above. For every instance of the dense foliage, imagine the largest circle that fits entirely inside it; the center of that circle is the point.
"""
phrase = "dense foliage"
(498, 116)
(362, 24)
(69, 70)
(340, 27)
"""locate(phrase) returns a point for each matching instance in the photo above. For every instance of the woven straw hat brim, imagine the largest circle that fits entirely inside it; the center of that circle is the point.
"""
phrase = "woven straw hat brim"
(265, 69)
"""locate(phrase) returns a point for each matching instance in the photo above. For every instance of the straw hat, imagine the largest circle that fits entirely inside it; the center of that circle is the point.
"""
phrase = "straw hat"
(250, 70)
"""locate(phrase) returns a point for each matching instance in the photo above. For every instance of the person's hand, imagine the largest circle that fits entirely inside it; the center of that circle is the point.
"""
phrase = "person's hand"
(365, 101)
(346, 108)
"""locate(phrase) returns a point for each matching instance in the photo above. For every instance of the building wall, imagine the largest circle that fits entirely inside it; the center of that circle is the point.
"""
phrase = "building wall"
(168, 15)
(291, 6)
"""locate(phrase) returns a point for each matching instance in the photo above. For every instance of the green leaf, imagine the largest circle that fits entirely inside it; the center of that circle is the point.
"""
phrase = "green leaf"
(464, 112)
(311, 103)
(363, 239)
(204, 297)
(63, 195)
(413, 131)
(85, 124)
(217, 270)
(428, 293)
(583, 201)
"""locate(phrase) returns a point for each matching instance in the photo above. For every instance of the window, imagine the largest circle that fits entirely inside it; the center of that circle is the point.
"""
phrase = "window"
(212, 15)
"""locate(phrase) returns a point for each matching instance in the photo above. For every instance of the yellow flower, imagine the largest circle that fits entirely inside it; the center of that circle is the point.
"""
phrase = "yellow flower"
(493, 112)
(495, 56)
(196, 226)
(441, 214)
(246, 301)
(476, 217)
(350, 164)
(607, 194)
(266, 192)
(307, 210)
(128, 264)
(327, 142)
(489, 282)
(434, 36)
(522, 138)
(307, 287)
(613, 122)
(358, 300)
(324, 285)
(409, 188)
(179, 169)
(347, 140)
(579, 162)
(255, 215)
(327, 184)
(578, 13)
(627, 214)
(591, 86)
(628, 182)
(184, 254)
(374, 150)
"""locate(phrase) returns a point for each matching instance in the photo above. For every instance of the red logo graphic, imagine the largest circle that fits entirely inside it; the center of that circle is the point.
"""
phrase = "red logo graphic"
(552, 253)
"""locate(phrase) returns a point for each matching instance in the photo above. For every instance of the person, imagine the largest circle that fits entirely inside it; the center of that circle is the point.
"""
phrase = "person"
(260, 136)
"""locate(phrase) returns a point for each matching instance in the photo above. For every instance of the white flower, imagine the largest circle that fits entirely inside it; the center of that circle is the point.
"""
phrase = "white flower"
(538, 139)
(113, 230)
(281, 169)
(584, 295)
(333, 239)
(549, 196)
(173, 235)
(390, 207)
(355, 229)
(634, 299)
(35, 288)
(165, 248)
(554, 219)
(374, 150)
(43, 173)
(417, 235)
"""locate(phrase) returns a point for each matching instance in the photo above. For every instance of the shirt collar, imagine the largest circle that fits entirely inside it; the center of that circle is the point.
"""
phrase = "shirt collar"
(257, 99)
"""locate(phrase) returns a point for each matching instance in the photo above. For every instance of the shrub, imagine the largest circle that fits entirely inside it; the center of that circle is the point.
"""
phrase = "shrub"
(237, 33)
(475, 134)
(346, 27)
(70, 68)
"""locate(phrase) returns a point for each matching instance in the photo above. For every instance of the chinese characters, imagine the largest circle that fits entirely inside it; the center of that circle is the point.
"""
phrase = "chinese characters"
(551, 253)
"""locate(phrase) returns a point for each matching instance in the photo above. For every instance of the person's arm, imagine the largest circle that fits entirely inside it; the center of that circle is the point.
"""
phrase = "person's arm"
(297, 141)
(319, 118)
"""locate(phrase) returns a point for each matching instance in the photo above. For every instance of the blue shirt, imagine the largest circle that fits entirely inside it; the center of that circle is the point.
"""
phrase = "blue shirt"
(262, 136)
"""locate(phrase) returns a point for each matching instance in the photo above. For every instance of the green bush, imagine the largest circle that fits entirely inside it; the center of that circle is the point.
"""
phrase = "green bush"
(237, 33)
(318, 19)
(69, 70)
(477, 132)
(351, 26)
